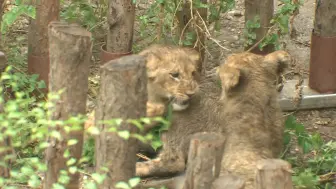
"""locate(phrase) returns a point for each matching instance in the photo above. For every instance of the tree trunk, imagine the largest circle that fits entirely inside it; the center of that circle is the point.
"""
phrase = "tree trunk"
(120, 17)
(228, 182)
(38, 47)
(123, 94)
(185, 25)
(264, 9)
(274, 173)
(204, 160)
(70, 54)
(322, 74)
(2, 5)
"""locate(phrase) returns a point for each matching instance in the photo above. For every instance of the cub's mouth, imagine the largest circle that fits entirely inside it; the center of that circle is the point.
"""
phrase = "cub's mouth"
(179, 104)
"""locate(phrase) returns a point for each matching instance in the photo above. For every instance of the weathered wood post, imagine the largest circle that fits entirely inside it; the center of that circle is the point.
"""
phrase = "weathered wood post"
(273, 173)
(204, 160)
(38, 51)
(70, 54)
(228, 182)
(123, 94)
(264, 9)
(322, 74)
(120, 18)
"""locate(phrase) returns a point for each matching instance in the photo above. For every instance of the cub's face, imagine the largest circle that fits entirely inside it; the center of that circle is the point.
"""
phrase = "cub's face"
(172, 74)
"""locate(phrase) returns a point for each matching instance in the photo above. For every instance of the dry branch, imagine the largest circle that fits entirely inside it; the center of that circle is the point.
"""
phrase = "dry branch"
(204, 160)
(70, 53)
(273, 173)
(123, 94)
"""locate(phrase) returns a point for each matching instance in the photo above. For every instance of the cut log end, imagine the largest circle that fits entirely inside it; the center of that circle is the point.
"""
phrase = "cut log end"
(128, 63)
(273, 173)
(69, 29)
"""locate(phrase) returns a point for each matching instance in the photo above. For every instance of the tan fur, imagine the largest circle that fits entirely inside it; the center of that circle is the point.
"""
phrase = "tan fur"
(253, 120)
(245, 110)
(172, 75)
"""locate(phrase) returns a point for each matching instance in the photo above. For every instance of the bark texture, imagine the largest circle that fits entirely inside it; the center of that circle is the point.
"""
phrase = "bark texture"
(123, 94)
(228, 182)
(120, 17)
(38, 45)
(204, 160)
(273, 173)
(325, 18)
(264, 9)
(70, 54)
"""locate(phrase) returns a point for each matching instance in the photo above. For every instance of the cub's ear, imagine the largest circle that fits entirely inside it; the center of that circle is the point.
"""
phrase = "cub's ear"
(277, 61)
(152, 65)
(192, 54)
(229, 77)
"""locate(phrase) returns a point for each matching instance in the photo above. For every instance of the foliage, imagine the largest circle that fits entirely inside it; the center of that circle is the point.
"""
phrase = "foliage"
(279, 26)
(167, 23)
(20, 8)
(315, 165)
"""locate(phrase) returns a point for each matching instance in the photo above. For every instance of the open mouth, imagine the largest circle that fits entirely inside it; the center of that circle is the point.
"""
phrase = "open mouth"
(179, 105)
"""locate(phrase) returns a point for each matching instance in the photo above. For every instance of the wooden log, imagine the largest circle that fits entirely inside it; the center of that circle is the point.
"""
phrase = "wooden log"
(38, 51)
(228, 182)
(264, 9)
(322, 72)
(120, 17)
(273, 173)
(70, 54)
(204, 160)
(170, 183)
(123, 94)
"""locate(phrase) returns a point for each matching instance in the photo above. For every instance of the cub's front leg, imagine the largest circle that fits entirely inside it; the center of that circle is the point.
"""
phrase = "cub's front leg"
(155, 109)
(168, 163)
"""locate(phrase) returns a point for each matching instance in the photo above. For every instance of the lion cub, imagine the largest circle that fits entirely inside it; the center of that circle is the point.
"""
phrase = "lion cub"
(172, 73)
(244, 109)
(253, 120)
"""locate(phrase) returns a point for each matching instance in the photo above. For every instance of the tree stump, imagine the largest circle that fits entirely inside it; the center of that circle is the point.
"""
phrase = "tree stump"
(38, 54)
(273, 173)
(120, 17)
(123, 94)
(70, 54)
(228, 182)
(322, 72)
(264, 9)
(204, 160)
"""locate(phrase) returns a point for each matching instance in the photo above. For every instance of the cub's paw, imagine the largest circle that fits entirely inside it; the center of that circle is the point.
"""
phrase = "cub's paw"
(278, 56)
(155, 109)
(143, 169)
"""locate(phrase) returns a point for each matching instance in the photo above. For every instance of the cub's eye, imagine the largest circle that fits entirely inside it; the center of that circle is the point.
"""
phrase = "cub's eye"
(175, 75)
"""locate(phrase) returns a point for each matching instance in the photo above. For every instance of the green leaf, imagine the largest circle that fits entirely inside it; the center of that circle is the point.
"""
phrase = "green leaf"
(98, 177)
(124, 134)
(122, 185)
(71, 161)
(134, 181)
(72, 142)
